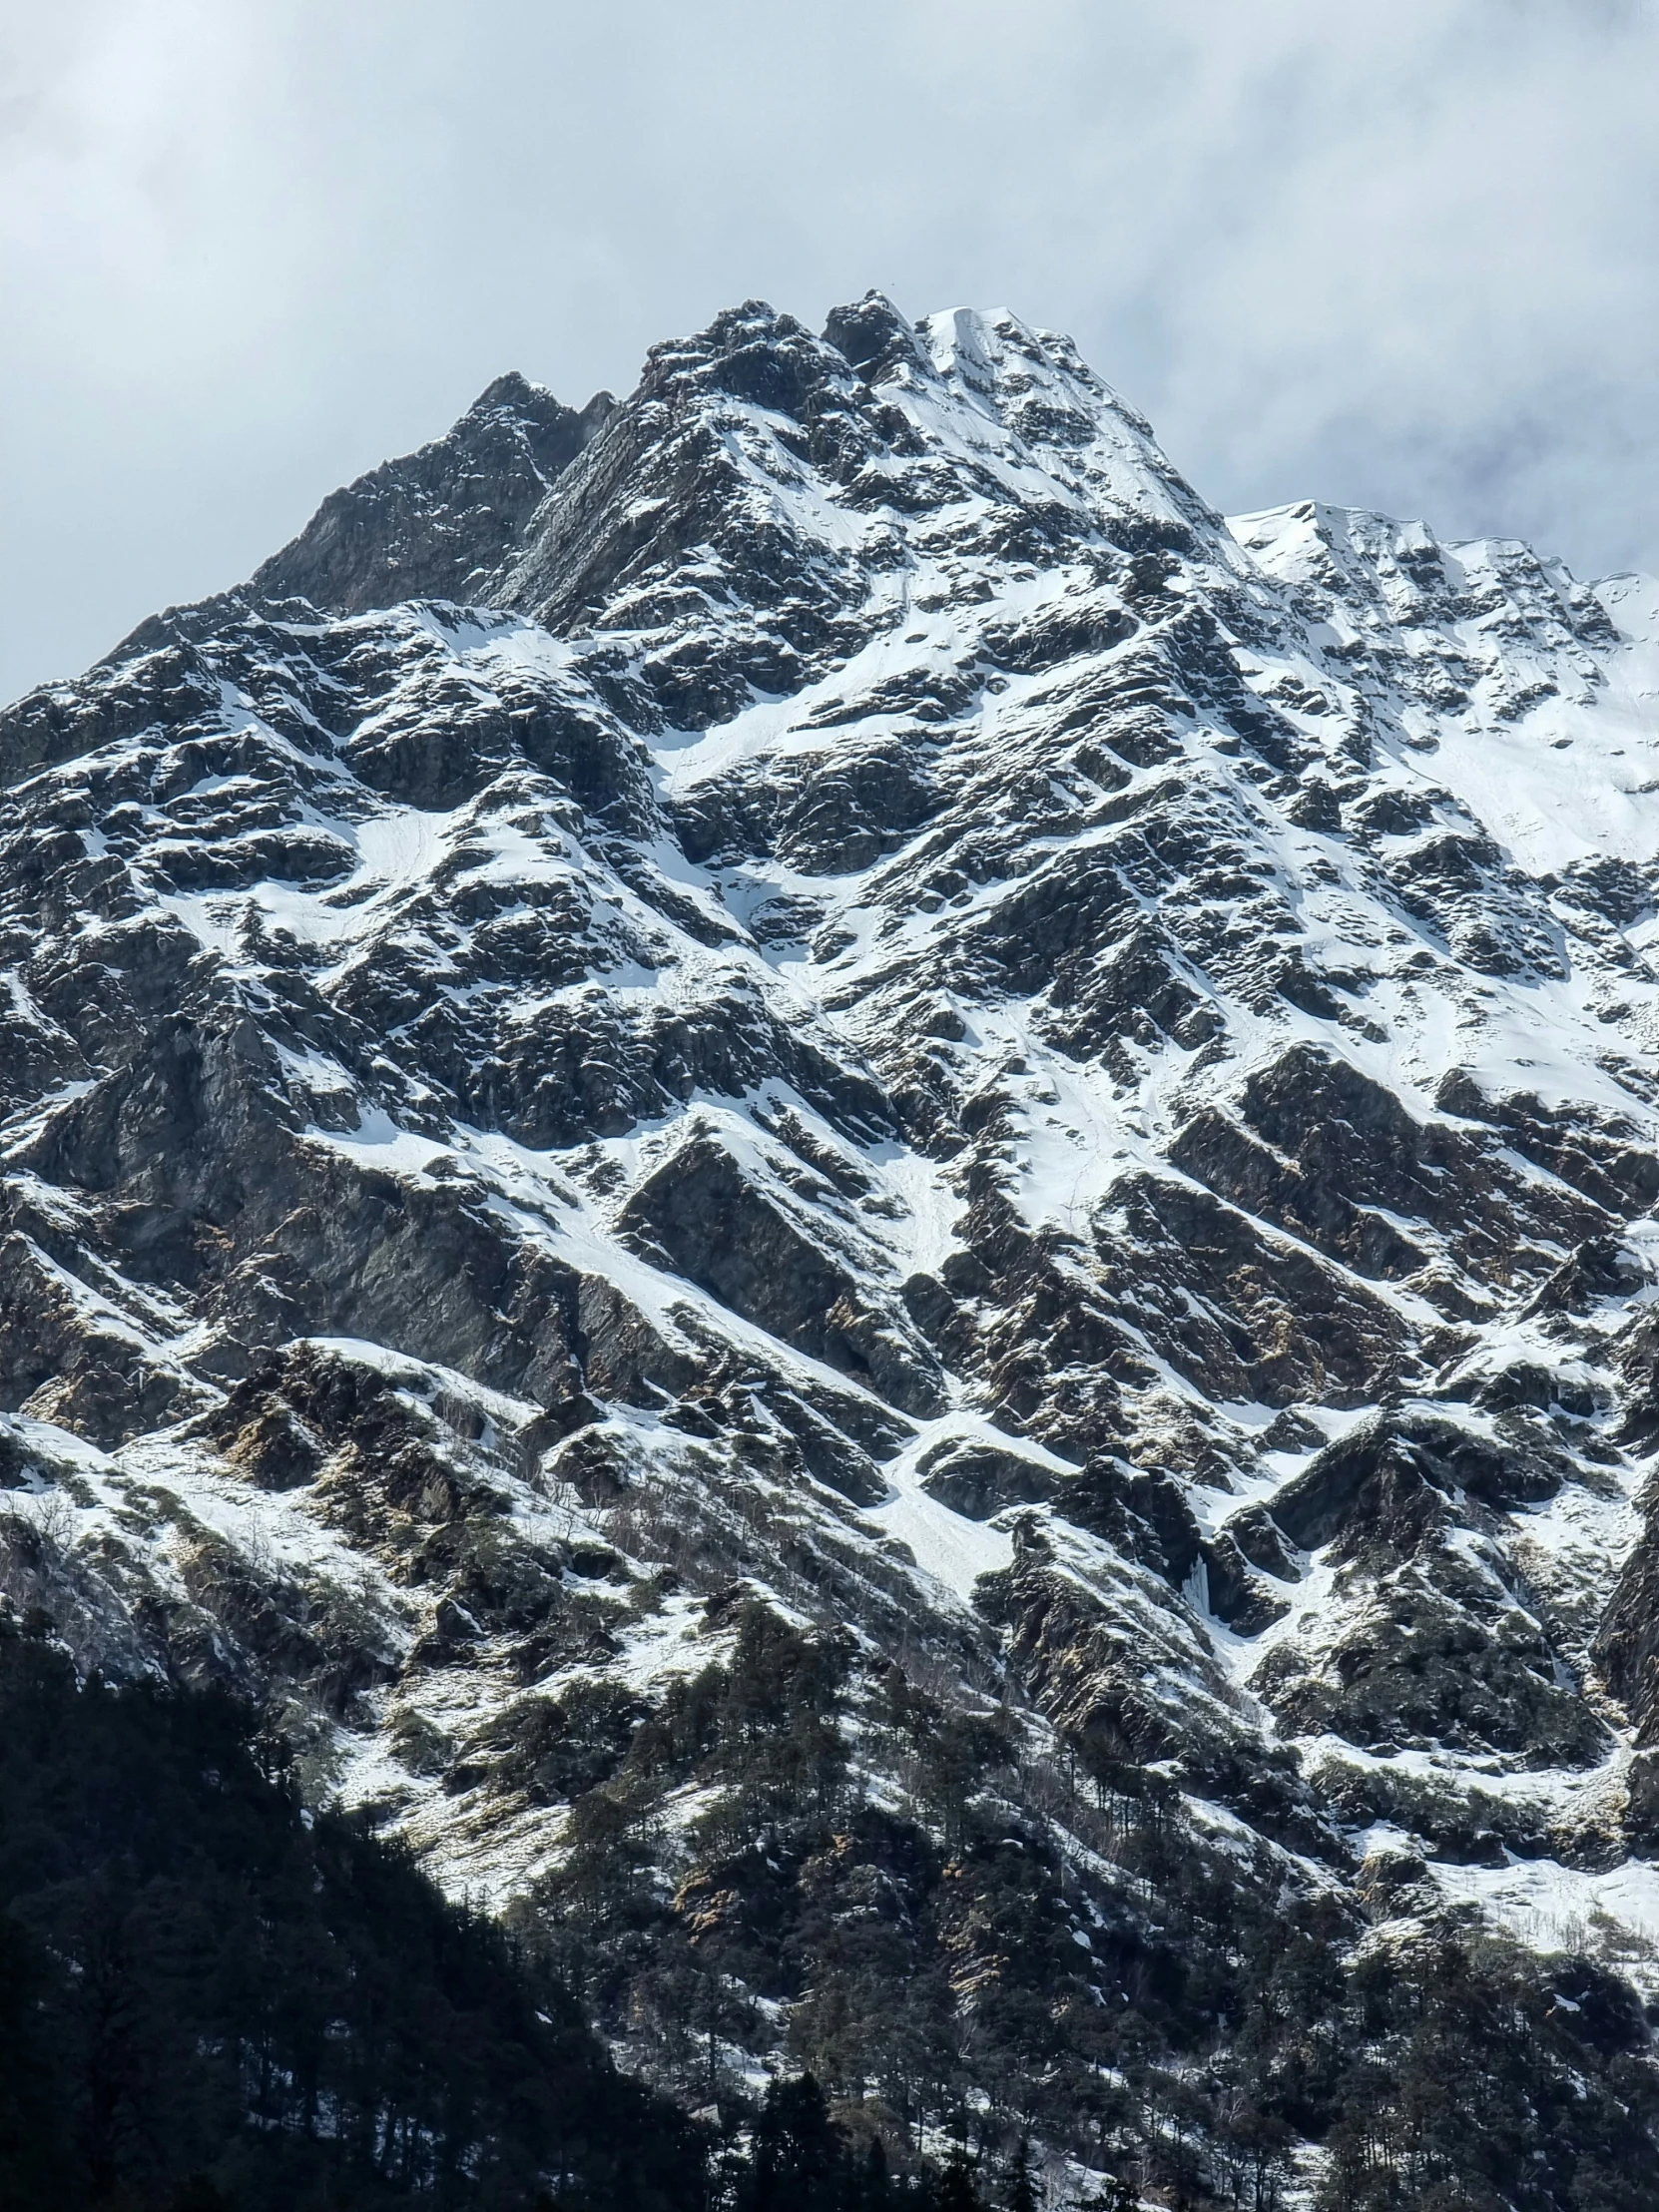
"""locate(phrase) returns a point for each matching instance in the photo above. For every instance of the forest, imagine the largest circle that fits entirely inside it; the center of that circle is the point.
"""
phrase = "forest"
(215, 1998)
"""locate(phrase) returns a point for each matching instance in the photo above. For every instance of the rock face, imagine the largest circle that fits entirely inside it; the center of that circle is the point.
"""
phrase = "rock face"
(437, 523)
(820, 983)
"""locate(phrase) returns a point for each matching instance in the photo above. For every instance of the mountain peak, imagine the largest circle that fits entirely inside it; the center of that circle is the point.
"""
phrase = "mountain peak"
(872, 337)
(438, 521)
(888, 1241)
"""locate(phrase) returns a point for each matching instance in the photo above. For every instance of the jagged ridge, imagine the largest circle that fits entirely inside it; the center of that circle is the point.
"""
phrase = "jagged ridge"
(893, 1014)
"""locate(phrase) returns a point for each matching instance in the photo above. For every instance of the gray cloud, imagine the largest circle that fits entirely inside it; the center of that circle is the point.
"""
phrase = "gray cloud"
(1400, 256)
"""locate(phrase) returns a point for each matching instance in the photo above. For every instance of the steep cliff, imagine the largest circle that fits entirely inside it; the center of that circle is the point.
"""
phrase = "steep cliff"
(788, 1137)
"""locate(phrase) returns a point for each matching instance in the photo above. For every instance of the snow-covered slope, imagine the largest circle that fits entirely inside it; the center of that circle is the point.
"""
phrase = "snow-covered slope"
(894, 1001)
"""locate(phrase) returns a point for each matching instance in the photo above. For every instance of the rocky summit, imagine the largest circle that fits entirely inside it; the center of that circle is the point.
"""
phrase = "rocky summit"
(872, 1215)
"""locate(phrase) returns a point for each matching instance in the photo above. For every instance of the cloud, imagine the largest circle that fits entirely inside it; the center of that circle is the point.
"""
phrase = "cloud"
(1398, 254)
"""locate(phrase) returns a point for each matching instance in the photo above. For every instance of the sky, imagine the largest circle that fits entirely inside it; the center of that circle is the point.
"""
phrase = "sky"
(1401, 254)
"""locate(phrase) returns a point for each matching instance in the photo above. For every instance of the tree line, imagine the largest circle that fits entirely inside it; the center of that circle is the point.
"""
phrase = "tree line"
(214, 1998)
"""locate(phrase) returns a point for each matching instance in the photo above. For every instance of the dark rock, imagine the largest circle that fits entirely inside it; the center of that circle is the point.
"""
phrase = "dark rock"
(1596, 1153)
(436, 523)
(1435, 1662)
(978, 1479)
(1393, 1482)
(1626, 1647)
(874, 338)
(1601, 1268)
(1146, 1515)
(1259, 1539)
(711, 1224)
(1236, 1595)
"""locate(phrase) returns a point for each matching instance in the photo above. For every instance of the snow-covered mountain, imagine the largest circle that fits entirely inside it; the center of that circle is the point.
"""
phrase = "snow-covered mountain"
(873, 1018)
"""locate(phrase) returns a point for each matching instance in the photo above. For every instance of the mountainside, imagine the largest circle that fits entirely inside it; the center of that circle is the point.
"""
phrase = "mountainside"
(872, 1215)
(212, 2000)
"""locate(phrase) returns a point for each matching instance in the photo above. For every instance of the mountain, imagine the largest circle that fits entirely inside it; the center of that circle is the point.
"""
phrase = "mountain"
(212, 1999)
(872, 1216)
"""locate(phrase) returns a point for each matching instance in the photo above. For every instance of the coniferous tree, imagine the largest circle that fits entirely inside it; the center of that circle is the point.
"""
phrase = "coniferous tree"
(954, 2188)
(1021, 2192)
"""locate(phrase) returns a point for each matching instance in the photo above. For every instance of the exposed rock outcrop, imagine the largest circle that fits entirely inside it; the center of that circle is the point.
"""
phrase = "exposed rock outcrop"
(818, 990)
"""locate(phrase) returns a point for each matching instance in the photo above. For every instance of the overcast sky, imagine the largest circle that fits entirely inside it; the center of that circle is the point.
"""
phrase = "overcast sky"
(1397, 253)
